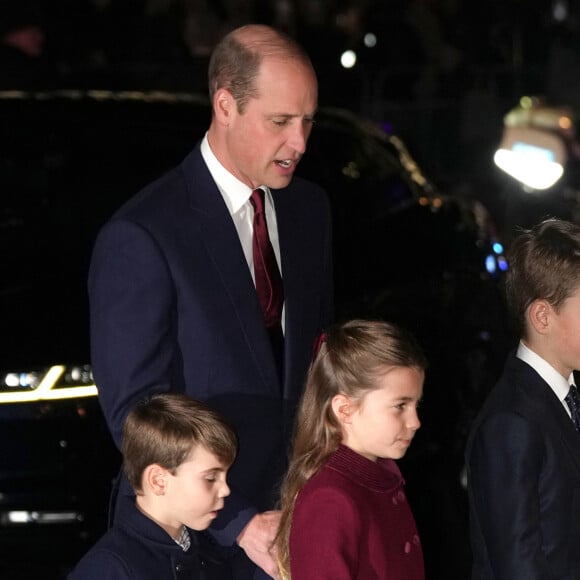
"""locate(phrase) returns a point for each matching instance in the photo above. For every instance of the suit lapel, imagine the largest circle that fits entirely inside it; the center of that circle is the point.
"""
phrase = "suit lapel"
(218, 233)
(294, 252)
(544, 404)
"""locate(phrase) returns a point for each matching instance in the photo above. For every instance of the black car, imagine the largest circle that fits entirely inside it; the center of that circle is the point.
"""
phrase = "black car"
(403, 251)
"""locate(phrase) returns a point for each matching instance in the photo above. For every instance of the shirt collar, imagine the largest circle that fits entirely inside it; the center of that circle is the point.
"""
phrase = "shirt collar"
(235, 192)
(184, 541)
(557, 382)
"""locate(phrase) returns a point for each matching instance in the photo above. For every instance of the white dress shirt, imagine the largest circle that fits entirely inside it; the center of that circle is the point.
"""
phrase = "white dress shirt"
(237, 199)
(236, 195)
(557, 382)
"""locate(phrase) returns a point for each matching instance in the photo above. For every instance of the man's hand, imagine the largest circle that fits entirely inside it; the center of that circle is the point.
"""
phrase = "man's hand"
(256, 540)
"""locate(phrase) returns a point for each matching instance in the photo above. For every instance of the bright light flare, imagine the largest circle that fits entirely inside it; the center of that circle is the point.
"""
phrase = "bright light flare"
(348, 58)
(56, 383)
(534, 171)
(26, 517)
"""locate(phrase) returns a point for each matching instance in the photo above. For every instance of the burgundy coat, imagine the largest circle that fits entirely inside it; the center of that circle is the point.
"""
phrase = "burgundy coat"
(352, 521)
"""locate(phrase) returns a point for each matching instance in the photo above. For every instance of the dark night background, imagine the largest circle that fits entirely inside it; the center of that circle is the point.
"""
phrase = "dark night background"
(439, 73)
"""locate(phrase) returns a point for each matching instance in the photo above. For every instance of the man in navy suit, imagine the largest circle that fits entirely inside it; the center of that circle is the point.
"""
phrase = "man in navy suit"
(523, 454)
(172, 294)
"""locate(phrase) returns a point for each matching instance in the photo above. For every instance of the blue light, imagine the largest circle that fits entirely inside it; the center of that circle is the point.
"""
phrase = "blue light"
(502, 263)
(540, 153)
(497, 248)
(490, 264)
(387, 127)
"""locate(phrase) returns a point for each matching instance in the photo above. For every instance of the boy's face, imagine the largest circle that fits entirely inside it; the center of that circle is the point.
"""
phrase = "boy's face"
(562, 342)
(196, 492)
(385, 422)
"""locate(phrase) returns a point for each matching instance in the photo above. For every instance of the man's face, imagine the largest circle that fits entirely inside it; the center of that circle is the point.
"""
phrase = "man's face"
(265, 142)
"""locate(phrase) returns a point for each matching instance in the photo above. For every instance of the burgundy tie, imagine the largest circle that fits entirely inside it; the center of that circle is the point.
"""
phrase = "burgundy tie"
(268, 279)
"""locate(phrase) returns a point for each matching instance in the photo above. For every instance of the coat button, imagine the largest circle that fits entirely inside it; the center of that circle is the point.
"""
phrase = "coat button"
(407, 547)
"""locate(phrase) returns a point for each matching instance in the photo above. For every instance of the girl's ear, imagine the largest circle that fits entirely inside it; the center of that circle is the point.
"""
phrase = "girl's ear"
(155, 479)
(342, 407)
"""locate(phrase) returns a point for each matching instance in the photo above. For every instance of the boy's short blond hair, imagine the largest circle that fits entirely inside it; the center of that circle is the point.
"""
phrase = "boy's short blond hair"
(164, 428)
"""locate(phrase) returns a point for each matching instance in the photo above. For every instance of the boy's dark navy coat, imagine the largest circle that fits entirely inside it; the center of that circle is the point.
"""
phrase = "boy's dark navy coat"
(136, 548)
(523, 468)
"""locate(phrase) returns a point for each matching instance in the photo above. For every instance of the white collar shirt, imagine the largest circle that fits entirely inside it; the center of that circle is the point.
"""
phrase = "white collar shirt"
(236, 196)
(555, 380)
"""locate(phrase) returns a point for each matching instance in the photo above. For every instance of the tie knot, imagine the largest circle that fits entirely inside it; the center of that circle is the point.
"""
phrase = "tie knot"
(257, 200)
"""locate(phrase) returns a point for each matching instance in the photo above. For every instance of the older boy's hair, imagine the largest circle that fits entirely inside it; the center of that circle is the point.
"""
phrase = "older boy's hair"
(164, 428)
(544, 264)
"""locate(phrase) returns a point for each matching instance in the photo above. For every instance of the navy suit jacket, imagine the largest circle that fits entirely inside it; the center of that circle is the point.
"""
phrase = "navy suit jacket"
(523, 470)
(173, 307)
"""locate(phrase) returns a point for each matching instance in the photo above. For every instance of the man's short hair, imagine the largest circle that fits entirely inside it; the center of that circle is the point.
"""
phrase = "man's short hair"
(235, 61)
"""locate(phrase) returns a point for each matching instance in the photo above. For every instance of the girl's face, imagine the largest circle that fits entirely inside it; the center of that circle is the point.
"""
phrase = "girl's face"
(385, 420)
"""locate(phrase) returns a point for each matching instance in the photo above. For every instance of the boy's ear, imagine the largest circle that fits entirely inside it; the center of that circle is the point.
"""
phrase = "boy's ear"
(539, 313)
(342, 407)
(155, 479)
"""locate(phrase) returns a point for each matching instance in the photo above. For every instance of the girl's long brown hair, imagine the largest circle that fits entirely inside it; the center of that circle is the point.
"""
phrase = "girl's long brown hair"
(350, 360)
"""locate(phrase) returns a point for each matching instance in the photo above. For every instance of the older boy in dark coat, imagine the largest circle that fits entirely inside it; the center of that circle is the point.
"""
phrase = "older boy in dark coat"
(523, 454)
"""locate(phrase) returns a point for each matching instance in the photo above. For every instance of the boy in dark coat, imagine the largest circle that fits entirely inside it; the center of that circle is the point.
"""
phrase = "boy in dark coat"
(523, 454)
(176, 453)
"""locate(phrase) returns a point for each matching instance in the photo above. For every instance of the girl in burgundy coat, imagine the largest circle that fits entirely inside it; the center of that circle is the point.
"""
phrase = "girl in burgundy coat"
(345, 515)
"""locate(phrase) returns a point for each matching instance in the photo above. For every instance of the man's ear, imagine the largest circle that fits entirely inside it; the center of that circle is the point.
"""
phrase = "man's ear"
(342, 407)
(155, 479)
(223, 105)
(539, 313)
